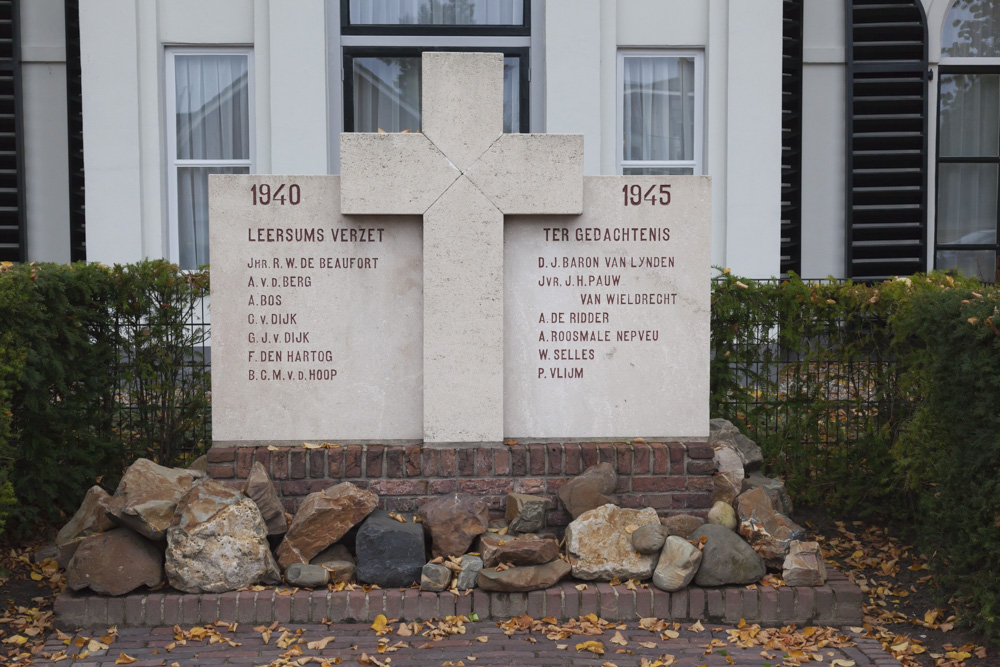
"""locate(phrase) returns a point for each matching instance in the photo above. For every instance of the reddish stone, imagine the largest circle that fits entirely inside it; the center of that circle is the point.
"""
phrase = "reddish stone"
(411, 456)
(373, 460)
(221, 454)
(501, 461)
(571, 453)
(484, 462)
(221, 471)
(454, 521)
(322, 520)
(297, 464)
(352, 461)
(624, 455)
(317, 463)
(244, 461)
(394, 462)
(260, 489)
(279, 464)
(640, 458)
(115, 562)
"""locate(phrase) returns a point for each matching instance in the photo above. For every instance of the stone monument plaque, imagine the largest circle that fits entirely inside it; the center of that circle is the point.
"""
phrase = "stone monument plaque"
(459, 285)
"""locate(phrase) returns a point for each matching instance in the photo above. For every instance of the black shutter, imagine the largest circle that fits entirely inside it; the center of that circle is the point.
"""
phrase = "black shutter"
(74, 97)
(13, 234)
(791, 138)
(886, 207)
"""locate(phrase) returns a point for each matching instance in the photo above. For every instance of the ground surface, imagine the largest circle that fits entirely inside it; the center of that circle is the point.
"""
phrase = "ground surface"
(903, 621)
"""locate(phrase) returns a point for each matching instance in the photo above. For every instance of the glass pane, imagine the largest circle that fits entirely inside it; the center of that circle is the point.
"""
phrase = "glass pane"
(967, 203)
(970, 115)
(658, 171)
(658, 113)
(192, 212)
(437, 12)
(213, 107)
(971, 30)
(387, 94)
(980, 264)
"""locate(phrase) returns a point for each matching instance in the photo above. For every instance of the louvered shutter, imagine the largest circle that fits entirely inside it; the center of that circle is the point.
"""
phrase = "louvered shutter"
(791, 138)
(13, 235)
(886, 190)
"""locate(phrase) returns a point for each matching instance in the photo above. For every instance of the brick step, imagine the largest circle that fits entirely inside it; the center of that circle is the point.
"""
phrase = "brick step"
(837, 604)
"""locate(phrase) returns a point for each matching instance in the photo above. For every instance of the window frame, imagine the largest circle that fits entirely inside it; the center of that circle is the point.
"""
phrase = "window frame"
(170, 121)
(349, 53)
(408, 29)
(698, 163)
(951, 66)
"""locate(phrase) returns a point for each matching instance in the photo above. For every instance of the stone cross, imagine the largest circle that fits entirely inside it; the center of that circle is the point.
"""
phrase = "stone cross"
(463, 175)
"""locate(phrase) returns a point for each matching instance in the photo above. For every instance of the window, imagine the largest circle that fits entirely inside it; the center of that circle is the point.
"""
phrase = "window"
(209, 131)
(968, 178)
(660, 111)
(382, 41)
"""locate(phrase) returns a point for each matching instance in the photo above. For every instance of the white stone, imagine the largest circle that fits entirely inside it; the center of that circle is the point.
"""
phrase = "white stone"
(634, 388)
(392, 174)
(599, 544)
(678, 564)
(461, 108)
(463, 318)
(369, 319)
(532, 174)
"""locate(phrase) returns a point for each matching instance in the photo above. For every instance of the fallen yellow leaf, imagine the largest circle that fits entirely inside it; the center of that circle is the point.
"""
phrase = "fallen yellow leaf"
(594, 647)
(123, 659)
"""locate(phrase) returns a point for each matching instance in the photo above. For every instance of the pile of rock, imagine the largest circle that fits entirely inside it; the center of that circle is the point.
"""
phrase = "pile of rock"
(177, 527)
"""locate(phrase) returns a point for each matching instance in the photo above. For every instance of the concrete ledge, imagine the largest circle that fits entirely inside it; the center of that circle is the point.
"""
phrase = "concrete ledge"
(836, 604)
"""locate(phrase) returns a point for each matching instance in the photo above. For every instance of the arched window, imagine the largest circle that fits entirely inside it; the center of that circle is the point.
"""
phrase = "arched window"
(968, 180)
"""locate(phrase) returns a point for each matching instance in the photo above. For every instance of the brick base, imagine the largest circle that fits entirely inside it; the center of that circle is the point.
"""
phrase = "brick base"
(671, 477)
(836, 604)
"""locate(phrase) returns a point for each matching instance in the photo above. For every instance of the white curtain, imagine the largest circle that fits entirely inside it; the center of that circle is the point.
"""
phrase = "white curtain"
(213, 123)
(387, 94)
(437, 12)
(213, 112)
(972, 29)
(658, 110)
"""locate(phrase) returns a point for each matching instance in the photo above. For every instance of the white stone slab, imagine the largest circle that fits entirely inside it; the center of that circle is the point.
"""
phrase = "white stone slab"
(614, 367)
(355, 294)
(461, 108)
(532, 174)
(392, 174)
(463, 318)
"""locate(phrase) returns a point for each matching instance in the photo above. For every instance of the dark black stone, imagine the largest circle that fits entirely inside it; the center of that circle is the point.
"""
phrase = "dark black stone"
(390, 553)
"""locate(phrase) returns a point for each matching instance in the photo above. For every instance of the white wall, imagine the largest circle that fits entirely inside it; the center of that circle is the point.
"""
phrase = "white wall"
(46, 149)
(742, 106)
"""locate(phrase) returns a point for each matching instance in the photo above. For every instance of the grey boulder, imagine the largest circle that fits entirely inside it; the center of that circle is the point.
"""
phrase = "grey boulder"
(390, 553)
(726, 558)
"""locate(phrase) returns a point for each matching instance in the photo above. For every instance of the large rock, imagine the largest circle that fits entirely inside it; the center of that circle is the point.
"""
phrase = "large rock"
(471, 567)
(338, 561)
(260, 489)
(307, 576)
(682, 525)
(599, 544)
(454, 521)
(804, 565)
(324, 517)
(390, 553)
(726, 558)
(115, 563)
(434, 578)
(722, 431)
(649, 539)
(729, 475)
(519, 550)
(147, 496)
(592, 489)
(775, 490)
(723, 514)
(677, 566)
(769, 532)
(526, 514)
(90, 518)
(218, 542)
(523, 579)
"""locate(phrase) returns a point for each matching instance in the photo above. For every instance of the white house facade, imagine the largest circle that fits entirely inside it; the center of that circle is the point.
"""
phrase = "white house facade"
(852, 139)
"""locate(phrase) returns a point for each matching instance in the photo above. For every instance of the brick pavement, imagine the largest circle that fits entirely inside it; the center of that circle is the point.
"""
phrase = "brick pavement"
(148, 647)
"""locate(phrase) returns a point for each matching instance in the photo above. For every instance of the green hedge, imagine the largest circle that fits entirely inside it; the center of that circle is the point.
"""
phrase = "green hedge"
(879, 400)
(82, 347)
